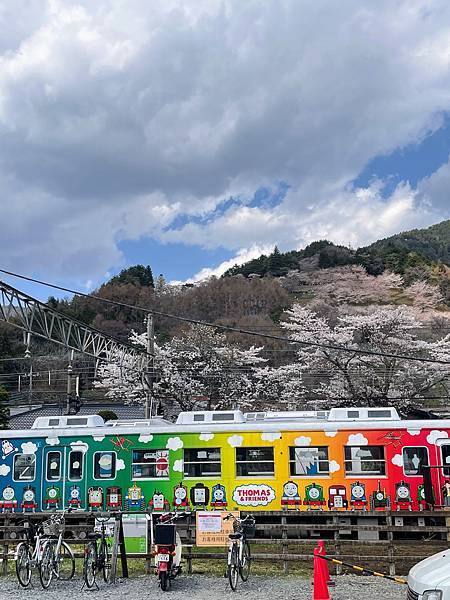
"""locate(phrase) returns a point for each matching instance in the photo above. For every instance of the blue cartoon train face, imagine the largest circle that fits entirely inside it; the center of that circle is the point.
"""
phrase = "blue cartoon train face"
(291, 497)
(74, 499)
(218, 496)
(134, 498)
(29, 499)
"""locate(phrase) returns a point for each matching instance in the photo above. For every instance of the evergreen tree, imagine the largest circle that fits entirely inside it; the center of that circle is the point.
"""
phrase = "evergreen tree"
(137, 275)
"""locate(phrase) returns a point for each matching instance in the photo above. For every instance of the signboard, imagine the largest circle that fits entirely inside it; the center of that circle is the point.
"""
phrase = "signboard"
(135, 531)
(211, 529)
(253, 494)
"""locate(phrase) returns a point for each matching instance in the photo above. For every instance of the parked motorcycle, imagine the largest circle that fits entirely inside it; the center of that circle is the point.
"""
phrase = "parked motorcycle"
(167, 549)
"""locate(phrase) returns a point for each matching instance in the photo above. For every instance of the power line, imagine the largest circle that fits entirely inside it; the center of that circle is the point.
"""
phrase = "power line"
(226, 327)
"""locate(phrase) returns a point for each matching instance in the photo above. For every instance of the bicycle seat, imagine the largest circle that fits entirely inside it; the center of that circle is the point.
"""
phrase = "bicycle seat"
(235, 536)
(93, 535)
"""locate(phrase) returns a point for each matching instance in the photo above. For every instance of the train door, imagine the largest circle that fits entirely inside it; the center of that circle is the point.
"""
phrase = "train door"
(62, 478)
(443, 479)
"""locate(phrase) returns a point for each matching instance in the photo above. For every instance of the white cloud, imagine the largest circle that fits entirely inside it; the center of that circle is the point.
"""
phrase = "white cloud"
(206, 437)
(435, 435)
(4, 470)
(270, 436)
(357, 439)
(397, 460)
(174, 443)
(302, 440)
(98, 438)
(334, 466)
(145, 438)
(29, 448)
(79, 445)
(414, 431)
(178, 465)
(138, 106)
(235, 440)
(120, 464)
(52, 441)
(331, 434)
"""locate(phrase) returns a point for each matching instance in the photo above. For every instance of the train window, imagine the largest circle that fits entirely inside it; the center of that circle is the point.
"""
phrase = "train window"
(53, 469)
(414, 459)
(308, 461)
(202, 462)
(446, 459)
(24, 467)
(104, 465)
(255, 462)
(364, 460)
(150, 464)
(75, 465)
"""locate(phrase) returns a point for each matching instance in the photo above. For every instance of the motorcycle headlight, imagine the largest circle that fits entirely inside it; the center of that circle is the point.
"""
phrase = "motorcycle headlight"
(432, 595)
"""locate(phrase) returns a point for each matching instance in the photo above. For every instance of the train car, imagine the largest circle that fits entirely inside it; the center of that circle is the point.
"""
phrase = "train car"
(345, 458)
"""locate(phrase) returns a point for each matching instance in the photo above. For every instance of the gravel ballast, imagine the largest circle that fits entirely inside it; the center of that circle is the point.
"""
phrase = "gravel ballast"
(201, 587)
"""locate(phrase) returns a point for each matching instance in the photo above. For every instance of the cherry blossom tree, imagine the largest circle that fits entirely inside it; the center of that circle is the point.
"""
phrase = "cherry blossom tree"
(424, 296)
(330, 376)
(197, 369)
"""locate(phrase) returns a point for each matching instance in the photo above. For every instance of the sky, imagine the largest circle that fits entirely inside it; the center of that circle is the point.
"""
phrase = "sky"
(193, 135)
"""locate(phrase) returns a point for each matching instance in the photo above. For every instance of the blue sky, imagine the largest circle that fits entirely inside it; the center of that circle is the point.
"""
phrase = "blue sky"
(190, 136)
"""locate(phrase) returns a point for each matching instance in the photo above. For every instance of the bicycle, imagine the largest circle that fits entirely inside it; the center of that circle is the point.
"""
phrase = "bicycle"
(239, 557)
(96, 556)
(29, 552)
(57, 558)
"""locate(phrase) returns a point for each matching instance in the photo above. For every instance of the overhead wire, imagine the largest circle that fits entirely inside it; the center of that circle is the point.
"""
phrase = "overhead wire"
(149, 311)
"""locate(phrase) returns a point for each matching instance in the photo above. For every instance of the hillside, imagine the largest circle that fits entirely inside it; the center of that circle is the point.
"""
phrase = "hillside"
(411, 253)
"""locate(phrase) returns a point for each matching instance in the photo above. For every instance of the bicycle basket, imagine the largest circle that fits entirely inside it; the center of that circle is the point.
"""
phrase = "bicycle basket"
(249, 529)
(165, 535)
(53, 526)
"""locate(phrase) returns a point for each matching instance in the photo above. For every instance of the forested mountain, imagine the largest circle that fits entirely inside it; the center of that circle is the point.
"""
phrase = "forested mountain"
(415, 250)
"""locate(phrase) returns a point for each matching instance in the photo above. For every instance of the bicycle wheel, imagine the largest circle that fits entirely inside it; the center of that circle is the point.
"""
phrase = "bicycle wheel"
(90, 564)
(233, 568)
(104, 560)
(23, 564)
(46, 565)
(244, 567)
(164, 581)
(65, 563)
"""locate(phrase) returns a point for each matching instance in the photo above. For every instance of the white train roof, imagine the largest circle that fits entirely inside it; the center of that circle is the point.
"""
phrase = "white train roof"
(354, 418)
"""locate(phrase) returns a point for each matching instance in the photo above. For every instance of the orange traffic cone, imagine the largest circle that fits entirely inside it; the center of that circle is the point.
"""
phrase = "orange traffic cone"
(320, 591)
(324, 564)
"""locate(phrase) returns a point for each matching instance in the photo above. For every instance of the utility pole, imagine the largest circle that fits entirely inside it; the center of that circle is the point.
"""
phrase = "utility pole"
(69, 383)
(150, 367)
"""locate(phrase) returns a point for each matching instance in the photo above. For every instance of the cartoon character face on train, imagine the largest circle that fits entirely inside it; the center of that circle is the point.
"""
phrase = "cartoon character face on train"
(337, 497)
(29, 499)
(403, 498)
(52, 498)
(218, 496)
(379, 499)
(7, 448)
(180, 496)
(199, 495)
(95, 498)
(113, 497)
(358, 498)
(291, 497)
(8, 500)
(134, 498)
(158, 502)
(421, 501)
(314, 497)
(74, 500)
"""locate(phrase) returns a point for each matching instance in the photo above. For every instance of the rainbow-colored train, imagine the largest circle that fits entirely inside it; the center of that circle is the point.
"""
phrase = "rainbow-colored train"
(342, 459)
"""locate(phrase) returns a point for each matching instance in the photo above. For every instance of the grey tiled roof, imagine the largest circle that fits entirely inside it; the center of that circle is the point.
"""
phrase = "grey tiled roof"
(25, 419)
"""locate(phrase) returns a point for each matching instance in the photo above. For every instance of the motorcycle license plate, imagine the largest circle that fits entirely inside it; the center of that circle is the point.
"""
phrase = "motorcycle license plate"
(163, 558)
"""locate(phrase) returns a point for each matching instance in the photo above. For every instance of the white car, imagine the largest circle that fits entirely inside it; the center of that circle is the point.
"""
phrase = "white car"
(430, 579)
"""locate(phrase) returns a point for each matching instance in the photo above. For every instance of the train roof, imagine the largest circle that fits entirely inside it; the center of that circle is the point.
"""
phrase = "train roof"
(230, 420)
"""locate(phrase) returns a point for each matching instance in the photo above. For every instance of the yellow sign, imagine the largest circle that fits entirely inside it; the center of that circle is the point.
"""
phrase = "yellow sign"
(212, 529)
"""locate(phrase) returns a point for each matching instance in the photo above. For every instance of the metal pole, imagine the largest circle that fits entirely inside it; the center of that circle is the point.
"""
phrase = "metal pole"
(150, 367)
(69, 383)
